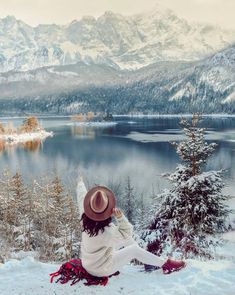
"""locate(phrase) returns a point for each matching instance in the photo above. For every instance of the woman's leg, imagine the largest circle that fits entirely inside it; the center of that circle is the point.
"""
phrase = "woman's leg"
(124, 256)
(124, 243)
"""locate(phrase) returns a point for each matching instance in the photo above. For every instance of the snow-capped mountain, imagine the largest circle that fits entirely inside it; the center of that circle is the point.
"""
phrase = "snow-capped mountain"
(119, 41)
(170, 87)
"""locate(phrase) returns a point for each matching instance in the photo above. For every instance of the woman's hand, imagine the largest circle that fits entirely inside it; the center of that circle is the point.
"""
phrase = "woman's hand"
(117, 212)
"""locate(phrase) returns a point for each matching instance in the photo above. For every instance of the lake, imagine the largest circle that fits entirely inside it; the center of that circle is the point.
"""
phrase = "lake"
(138, 147)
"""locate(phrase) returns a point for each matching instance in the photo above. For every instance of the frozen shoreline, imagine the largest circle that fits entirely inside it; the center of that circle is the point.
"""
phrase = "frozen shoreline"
(172, 115)
(12, 139)
(93, 124)
(46, 116)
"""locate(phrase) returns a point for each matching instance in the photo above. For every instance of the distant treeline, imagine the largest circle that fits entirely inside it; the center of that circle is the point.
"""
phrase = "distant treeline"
(136, 98)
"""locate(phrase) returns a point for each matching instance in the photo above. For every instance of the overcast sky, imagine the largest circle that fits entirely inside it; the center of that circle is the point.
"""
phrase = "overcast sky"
(34, 12)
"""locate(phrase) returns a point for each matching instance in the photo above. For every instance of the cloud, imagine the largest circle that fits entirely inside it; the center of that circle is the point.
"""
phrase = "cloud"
(64, 11)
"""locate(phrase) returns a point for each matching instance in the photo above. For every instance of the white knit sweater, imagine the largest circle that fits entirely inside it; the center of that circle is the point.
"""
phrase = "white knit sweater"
(97, 251)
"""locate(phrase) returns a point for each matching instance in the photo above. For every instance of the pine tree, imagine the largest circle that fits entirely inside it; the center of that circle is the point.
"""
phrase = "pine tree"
(17, 212)
(73, 230)
(41, 217)
(141, 215)
(7, 217)
(44, 220)
(129, 202)
(190, 216)
(21, 206)
(55, 225)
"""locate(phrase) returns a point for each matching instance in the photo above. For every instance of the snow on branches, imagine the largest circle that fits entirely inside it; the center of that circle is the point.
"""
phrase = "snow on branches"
(189, 216)
(39, 217)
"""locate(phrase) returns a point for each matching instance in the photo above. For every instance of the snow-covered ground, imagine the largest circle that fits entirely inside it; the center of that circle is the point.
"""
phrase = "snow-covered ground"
(30, 277)
(12, 139)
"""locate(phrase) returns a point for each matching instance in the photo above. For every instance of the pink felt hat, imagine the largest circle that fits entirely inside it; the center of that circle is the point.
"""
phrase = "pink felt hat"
(99, 203)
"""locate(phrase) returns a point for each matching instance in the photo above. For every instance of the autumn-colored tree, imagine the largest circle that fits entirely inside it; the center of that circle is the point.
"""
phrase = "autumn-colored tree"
(33, 145)
(30, 124)
(2, 128)
(2, 145)
(80, 118)
(90, 116)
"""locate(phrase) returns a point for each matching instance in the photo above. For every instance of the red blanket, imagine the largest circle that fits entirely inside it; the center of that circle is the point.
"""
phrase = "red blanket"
(73, 271)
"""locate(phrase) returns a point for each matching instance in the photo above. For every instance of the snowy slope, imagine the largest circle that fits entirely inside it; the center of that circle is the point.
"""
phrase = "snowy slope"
(111, 39)
(29, 277)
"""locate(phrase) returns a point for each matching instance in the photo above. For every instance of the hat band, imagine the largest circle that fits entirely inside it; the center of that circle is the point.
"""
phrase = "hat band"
(96, 212)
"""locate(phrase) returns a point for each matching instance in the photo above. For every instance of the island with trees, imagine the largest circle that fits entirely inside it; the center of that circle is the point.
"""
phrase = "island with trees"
(30, 130)
(91, 118)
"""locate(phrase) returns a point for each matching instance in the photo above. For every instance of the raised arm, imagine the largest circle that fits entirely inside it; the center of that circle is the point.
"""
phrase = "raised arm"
(124, 229)
(81, 192)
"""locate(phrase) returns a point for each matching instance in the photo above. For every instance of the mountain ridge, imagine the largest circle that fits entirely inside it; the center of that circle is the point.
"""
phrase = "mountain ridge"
(123, 42)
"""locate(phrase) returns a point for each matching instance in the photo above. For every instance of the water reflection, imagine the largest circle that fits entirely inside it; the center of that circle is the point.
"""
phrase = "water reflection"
(2, 145)
(32, 146)
(90, 131)
(78, 131)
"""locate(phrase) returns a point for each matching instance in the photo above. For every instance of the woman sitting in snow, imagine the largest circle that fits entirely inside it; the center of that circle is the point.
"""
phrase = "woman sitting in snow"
(102, 240)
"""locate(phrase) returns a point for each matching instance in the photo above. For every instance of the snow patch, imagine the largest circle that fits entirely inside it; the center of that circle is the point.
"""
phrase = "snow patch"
(64, 73)
(187, 92)
(229, 98)
(165, 136)
(12, 139)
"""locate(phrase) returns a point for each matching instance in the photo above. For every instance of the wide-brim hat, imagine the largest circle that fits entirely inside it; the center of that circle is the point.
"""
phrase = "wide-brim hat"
(99, 203)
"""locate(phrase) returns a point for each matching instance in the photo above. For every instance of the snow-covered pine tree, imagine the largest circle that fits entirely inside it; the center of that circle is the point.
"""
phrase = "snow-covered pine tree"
(73, 229)
(141, 215)
(129, 202)
(190, 216)
(41, 217)
(20, 207)
(60, 221)
(6, 214)
(141, 219)
(56, 219)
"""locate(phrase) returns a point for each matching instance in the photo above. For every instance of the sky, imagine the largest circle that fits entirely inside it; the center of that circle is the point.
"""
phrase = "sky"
(33, 12)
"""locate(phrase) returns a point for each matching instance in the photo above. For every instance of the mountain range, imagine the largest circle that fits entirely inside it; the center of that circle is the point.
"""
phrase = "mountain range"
(121, 42)
(206, 86)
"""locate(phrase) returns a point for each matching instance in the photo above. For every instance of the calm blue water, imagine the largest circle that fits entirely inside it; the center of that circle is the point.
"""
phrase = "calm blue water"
(135, 147)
